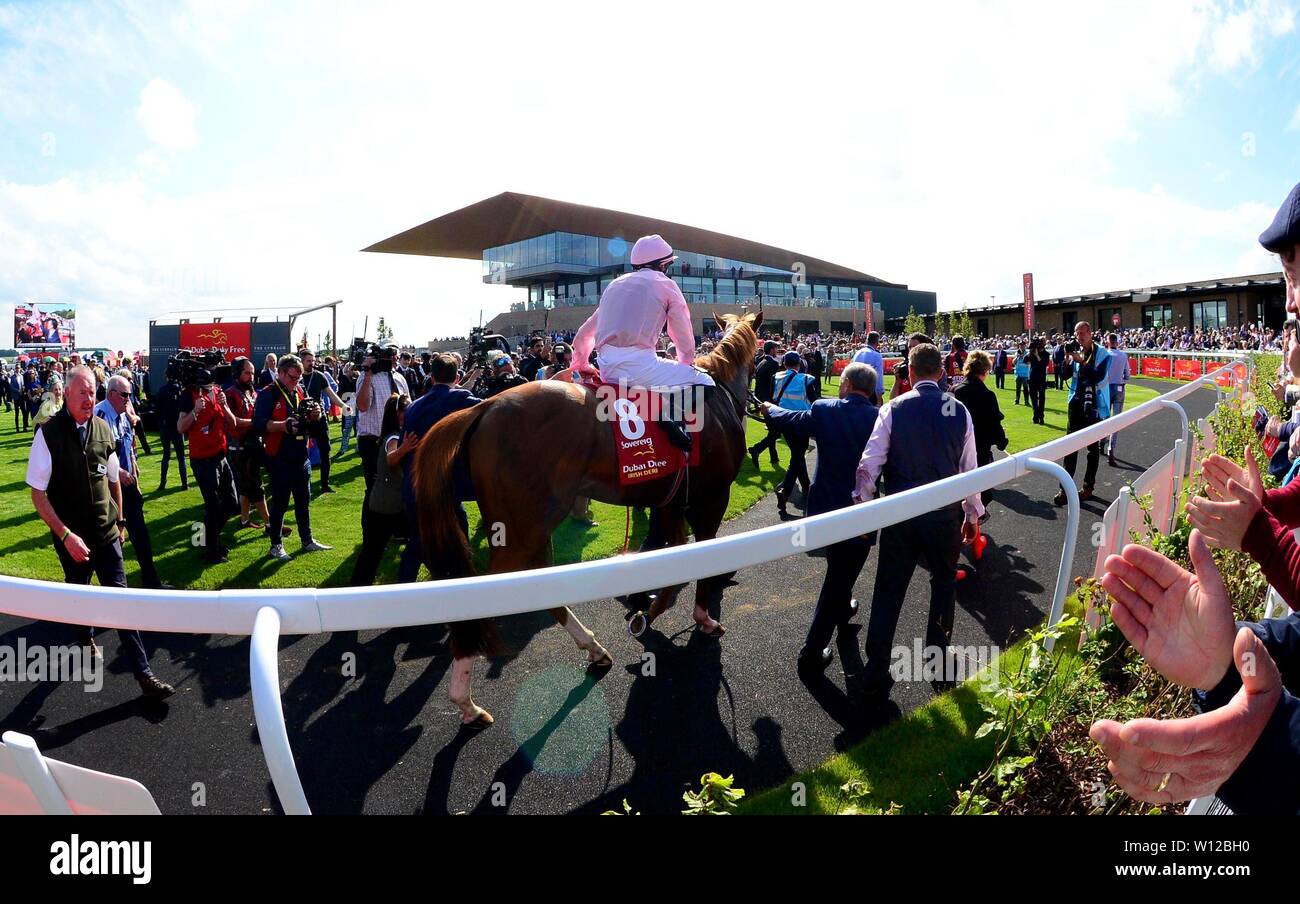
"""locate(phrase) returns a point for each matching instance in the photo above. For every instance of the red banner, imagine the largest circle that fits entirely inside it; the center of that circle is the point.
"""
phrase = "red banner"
(232, 339)
(1225, 380)
(1187, 368)
(867, 309)
(1029, 302)
(1156, 367)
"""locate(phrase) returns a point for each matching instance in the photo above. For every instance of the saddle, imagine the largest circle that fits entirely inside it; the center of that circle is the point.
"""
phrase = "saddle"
(651, 437)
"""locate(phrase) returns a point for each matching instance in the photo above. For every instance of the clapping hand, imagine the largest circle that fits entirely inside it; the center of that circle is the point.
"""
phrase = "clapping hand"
(1235, 494)
(1180, 622)
(1166, 761)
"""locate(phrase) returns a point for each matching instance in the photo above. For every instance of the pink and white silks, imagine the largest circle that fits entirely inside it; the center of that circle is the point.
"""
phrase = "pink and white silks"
(626, 326)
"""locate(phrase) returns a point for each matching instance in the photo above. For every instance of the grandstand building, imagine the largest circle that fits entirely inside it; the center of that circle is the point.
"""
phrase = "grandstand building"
(564, 255)
(1206, 304)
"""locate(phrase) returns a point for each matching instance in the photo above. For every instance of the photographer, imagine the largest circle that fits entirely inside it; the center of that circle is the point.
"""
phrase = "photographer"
(244, 447)
(204, 418)
(1089, 401)
(320, 386)
(167, 405)
(560, 362)
(284, 416)
(503, 377)
(378, 384)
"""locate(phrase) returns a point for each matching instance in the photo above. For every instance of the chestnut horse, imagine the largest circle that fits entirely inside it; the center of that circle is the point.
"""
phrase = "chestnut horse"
(531, 450)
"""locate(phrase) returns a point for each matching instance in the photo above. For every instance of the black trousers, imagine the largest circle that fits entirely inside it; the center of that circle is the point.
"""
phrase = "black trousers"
(1038, 396)
(290, 479)
(217, 484)
(144, 439)
(1001, 379)
(368, 449)
(768, 442)
(21, 411)
(844, 563)
(105, 563)
(138, 533)
(935, 539)
(798, 468)
(1022, 388)
(1078, 421)
(173, 440)
(377, 530)
(321, 435)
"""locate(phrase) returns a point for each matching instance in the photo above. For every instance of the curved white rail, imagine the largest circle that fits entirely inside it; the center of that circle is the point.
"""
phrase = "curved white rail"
(264, 670)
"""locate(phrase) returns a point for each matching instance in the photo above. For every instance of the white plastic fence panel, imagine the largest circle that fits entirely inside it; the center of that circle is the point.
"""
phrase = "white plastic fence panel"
(1275, 606)
(1158, 480)
(1107, 532)
(92, 793)
(33, 784)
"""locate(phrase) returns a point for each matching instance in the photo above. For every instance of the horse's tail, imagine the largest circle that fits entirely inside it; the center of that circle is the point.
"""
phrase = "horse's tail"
(444, 546)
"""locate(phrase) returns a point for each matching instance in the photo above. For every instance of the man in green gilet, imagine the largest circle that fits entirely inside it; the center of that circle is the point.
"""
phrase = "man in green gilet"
(73, 473)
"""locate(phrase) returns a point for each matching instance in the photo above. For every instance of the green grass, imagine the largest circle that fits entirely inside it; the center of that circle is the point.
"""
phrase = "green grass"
(28, 550)
(917, 763)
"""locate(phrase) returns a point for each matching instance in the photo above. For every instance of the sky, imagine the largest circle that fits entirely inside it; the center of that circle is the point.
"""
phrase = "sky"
(169, 159)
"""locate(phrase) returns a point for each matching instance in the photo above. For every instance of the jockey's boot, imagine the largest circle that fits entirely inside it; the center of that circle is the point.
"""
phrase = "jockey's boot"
(672, 418)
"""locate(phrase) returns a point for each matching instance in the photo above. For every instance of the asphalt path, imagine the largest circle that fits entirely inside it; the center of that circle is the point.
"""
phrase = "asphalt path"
(373, 732)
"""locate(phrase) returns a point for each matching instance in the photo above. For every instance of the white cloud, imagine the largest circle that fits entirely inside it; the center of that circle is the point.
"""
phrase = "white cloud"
(952, 147)
(167, 116)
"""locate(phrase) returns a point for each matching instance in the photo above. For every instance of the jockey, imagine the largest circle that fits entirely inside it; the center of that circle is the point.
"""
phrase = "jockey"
(625, 327)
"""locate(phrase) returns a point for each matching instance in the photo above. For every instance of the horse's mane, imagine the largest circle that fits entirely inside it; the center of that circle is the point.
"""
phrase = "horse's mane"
(733, 353)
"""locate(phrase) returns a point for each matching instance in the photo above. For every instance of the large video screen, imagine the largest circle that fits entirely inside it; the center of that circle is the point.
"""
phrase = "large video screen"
(45, 326)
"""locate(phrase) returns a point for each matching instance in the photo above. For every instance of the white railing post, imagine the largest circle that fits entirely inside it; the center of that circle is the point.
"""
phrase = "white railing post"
(1120, 527)
(1180, 450)
(1182, 417)
(1071, 537)
(264, 669)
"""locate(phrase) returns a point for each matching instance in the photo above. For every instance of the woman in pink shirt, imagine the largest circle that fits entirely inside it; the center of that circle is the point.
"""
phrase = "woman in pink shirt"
(626, 326)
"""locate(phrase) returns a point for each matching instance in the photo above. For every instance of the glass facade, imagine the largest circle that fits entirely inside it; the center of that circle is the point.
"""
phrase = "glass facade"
(584, 266)
(1156, 316)
(1209, 315)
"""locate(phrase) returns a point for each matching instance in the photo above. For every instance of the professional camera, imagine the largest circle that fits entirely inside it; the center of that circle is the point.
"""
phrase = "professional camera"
(195, 371)
(481, 343)
(310, 413)
(385, 357)
(360, 348)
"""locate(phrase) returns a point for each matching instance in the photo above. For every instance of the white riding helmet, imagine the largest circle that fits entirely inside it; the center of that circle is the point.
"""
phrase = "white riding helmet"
(650, 249)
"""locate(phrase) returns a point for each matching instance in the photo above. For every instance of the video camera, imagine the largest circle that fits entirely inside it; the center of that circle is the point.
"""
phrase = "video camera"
(481, 343)
(196, 371)
(385, 356)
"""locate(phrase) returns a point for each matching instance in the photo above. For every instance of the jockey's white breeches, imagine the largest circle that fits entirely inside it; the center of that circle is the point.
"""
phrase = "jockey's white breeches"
(642, 367)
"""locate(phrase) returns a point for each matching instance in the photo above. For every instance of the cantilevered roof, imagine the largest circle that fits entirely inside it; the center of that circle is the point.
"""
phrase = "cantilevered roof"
(511, 217)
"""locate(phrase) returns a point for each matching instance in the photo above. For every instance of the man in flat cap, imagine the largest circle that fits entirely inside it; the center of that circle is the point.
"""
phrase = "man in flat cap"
(1283, 239)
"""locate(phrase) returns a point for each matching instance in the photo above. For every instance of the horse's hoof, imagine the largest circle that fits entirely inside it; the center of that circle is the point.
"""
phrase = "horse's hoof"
(717, 631)
(632, 624)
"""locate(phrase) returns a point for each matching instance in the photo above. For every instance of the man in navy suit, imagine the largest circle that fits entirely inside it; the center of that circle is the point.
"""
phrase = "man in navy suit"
(841, 428)
(443, 398)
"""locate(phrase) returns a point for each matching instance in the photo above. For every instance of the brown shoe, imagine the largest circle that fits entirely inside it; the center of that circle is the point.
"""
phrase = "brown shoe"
(1085, 493)
(155, 689)
(1059, 499)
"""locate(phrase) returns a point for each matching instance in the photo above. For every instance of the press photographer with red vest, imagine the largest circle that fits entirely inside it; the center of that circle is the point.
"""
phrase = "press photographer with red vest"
(284, 416)
(204, 418)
